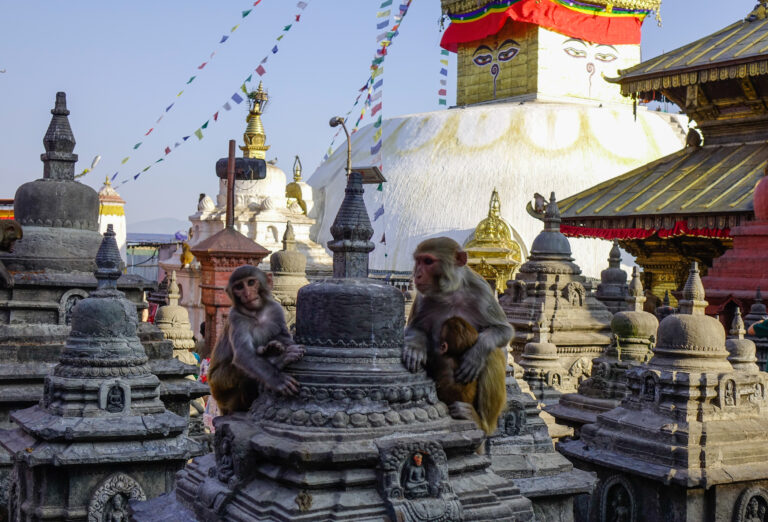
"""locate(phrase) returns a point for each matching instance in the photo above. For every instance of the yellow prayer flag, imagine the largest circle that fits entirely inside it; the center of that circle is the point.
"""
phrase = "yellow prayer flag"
(377, 135)
(383, 14)
(179, 93)
(444, 62)
(234, 28)
(377, 72)
(125, 160)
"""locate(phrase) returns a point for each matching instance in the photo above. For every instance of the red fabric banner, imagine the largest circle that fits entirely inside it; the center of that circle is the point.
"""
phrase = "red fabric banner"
(602, 29)
(680, 229)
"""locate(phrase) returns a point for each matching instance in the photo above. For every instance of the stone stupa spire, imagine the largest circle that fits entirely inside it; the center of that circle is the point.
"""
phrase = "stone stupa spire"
(59, 142)
(352, 232)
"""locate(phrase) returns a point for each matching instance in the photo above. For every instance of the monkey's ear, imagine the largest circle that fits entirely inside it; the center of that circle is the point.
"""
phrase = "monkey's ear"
(269, 280)
(461, 258)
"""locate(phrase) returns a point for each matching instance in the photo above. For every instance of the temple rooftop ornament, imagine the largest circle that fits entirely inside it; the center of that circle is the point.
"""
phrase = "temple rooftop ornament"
(494, 249)
(100, 436)
(687, 206)
(365, 439)
(634, 335)
(579, 324)
(112, 212)
(690, 441)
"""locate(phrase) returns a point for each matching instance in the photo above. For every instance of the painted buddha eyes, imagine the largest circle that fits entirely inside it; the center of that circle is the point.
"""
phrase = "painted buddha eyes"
(606, 57)
(577, 48)
(482, 59)
(484, 55)
(576, 53)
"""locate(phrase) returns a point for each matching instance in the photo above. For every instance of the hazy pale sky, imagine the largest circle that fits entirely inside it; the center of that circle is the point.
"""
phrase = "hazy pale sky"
(122, 63)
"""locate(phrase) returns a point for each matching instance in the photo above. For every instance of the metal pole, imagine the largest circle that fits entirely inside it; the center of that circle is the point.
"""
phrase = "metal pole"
(231, 185)
(335, 122)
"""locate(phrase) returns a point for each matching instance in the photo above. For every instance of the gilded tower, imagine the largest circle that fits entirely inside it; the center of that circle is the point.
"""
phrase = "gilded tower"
(549, 50)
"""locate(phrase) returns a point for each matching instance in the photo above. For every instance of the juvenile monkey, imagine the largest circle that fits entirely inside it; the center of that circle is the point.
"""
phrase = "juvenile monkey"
(447, 288)
(254, 347)
(456, 337)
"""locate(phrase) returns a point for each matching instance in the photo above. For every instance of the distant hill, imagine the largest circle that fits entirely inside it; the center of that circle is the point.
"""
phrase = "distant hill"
(159, 226)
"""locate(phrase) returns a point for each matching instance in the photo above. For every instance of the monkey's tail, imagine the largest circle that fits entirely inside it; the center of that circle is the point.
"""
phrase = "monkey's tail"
(492, 390)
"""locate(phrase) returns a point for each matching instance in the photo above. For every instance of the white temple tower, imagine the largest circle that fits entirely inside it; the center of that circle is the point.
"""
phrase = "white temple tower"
(112, 212)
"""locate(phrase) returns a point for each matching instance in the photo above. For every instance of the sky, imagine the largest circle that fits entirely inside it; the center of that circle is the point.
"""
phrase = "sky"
(123, 63)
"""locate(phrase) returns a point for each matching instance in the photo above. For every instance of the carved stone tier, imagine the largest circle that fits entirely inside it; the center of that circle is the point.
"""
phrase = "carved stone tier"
(690, 440)
(634, 335)
(100, 436)
(289, 275)
(758, 312)
(364, 440)
(579, 323)
(522, 450)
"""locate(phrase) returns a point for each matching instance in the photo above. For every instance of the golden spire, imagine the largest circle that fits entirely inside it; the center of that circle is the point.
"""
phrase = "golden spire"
(254, 136)
(297, 170)
(106, 181)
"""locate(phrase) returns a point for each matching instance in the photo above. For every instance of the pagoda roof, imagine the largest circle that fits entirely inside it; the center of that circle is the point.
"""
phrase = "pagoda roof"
(736, 51)
(693, 181)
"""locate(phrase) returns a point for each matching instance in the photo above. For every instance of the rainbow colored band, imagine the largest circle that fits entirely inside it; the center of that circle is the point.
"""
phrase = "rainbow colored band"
(500, 6)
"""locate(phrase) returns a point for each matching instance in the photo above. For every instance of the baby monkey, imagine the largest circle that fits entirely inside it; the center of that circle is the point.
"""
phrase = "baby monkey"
(482, 400)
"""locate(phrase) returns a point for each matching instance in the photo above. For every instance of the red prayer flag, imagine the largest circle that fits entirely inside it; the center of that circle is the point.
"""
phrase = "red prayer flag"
(150, 130)
(297, 17)
(202, 65)
(167, 150)
(376, 108)
(441, 92)
(260, 70)
(216, 116)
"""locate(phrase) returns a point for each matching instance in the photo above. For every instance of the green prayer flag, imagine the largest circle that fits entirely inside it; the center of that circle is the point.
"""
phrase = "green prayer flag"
(158, 161)
(249, 78)
(190, 80)
(380, 188)
(137, 146)
(146, 168)
(244, 88)
(287, 27)
(444, 52)
(385, 4)
(199, 134)
(246, 13)
(377, 61)
(280, 37)
(442, 102)
(378, 122)
(205, 125)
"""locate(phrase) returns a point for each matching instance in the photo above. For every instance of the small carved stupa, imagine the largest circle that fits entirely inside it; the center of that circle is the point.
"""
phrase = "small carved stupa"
(365, 439)
(612, 290)
(634, 335)
(758, 312)
(579, 324)
(493, 249)
(690, 439)
(100, 436)
(741, 350)
(289, 274)
(173, 321)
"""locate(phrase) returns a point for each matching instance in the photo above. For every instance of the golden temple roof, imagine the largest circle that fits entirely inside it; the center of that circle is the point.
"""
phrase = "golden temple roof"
(736, 51)
(694, 181)
(493, 231)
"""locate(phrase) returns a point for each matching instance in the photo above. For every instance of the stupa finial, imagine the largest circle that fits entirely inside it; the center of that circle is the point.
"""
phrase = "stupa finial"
(552, 215)
(297, 169)
(289, 238)
(614, 257)
(59, 142)
(173, 290)
(693, 301)
(737, 325)
(666, 298)
(636, 297)
(108, 261)
(254, 136)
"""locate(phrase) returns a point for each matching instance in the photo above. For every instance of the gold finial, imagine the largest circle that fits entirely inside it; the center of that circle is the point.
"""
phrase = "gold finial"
(106, 181)
(494, 209)
(254, 136)
(297, 169)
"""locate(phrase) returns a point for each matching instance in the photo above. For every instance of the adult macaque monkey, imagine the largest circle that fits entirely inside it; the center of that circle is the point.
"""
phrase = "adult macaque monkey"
(254, 346)
(447, 288)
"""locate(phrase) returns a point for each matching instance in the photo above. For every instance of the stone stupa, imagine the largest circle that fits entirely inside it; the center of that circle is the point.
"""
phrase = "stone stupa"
(634, 335)
(364, 440)
(288, 274)
(579, 324)
(101, 436)
(690, 441)
(612, 290)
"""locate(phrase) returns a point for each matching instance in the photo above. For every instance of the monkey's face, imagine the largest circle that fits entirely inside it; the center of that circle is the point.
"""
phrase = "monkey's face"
(247, 292)
(426, 273)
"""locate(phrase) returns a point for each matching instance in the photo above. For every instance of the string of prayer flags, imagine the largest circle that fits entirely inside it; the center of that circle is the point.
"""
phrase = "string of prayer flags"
(237, 98)
(224, 38)
(442, 92)
(379, 212)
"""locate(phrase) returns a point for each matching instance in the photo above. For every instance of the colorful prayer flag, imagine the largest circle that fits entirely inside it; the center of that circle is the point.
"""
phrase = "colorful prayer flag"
(280, 37)
(382, 14)
(274, 50)
(246, 13)
(384, 240)
(444, 52)
(287, 27)
(260, 70)
(234, 28)
(150, 130)
(137, 175)
(257, 2)
(380, 188)
(216, 116)
(115, 175)
(158, 161)
(379, 212)
(191, 79)
(168, 108)
(205, 125)
(377, 135)
(199, 134)
(249, 78)
(227, 107)
(181, 91)
(442, 102)
(298, 17)
(382, 25)
(387, 3)
(176, 145)
(377, 72)
(301, 5)
(377, 124)
(147, 168)
(237, 98)
(376, 148)
(158, 120)
(378, 84)
(137, 145)
(441, 92)
(185, 138)
(444, 71)
(444, 62)
(223, 39)
(244, 89)
(167, 150)
(443, 82)
(202, 65)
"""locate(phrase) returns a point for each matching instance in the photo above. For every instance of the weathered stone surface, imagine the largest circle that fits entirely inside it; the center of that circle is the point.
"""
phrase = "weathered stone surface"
(288, 269)
(612, 290)
(690, 440)
(100, 435)
(579, 324)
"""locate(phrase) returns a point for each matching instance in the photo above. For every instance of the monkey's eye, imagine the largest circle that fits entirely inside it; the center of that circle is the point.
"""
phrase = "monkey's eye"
(251, 282)
(239, 286)
(428, 261)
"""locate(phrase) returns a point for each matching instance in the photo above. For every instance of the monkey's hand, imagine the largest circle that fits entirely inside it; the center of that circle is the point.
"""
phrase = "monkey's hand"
(283, 384)
(463, 411)
(415, 351)
(292, 353)
(472, 363)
